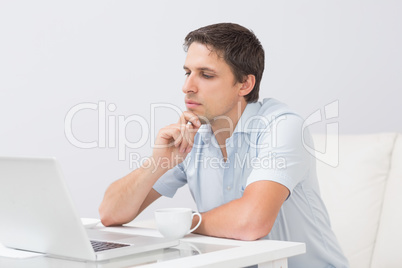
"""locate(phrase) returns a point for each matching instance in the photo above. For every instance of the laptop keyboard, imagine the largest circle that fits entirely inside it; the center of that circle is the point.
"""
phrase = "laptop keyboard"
(102, 245)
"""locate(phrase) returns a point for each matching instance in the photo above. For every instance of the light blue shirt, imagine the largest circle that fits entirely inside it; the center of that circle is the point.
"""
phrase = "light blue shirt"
(266, 145)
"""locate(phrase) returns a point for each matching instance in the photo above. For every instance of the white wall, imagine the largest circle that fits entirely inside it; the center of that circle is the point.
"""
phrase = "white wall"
(55, 55)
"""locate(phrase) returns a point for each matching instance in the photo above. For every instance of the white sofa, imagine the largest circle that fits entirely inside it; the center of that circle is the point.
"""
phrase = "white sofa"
(363, 196)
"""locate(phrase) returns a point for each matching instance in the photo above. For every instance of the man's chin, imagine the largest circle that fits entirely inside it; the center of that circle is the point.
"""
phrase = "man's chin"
(202, 118)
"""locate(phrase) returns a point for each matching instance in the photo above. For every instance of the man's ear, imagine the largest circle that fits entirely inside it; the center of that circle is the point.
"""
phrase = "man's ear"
(247, 85)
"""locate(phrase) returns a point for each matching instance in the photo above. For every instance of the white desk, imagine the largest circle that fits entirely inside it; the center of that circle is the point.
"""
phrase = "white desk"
(193, 251)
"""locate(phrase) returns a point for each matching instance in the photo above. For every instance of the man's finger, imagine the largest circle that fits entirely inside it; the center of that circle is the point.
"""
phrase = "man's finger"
(171, 135)
(185, 141)
(187, 116)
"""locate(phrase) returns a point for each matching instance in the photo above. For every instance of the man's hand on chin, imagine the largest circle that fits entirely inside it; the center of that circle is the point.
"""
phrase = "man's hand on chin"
(175, 141)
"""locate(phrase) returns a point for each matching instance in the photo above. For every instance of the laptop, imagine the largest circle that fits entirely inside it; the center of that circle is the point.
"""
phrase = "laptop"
(38, 215)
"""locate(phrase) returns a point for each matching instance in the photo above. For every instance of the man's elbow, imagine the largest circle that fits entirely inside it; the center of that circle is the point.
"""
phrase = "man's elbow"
(107, 219)
(253, 234)
(250, 231)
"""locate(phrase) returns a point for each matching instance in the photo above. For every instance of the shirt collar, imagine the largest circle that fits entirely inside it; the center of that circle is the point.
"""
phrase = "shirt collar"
(244, 123)
(205, 132)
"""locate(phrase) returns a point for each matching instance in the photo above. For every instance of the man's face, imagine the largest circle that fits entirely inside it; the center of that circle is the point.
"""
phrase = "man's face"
(210, 87)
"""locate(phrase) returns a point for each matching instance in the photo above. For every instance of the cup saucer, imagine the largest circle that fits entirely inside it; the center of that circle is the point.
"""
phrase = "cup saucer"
(89, 223)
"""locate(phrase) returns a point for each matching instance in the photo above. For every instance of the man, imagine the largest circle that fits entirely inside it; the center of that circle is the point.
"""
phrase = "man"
(243, 160)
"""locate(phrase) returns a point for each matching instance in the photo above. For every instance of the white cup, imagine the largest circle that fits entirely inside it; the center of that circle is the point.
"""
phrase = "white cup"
(175, 223)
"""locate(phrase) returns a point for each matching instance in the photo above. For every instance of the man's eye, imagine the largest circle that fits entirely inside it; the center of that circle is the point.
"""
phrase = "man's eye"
(207, 76)
(187, 74)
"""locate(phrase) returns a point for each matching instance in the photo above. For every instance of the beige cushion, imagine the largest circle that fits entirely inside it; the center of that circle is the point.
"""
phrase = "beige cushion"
(388, 249)
(353, 191)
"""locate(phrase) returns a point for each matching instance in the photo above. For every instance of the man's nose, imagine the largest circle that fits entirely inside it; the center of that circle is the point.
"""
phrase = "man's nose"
(190, 85)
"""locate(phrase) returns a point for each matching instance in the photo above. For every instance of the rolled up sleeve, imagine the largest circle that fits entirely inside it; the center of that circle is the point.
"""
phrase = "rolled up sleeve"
(282, 157)
(172, 180)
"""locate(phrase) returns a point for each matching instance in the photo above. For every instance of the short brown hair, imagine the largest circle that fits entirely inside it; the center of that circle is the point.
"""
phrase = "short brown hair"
(239, 47)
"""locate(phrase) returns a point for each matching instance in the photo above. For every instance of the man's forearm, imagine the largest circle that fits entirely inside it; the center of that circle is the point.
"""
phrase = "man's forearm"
(232, 220)
(249, 217)
(124, 197)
